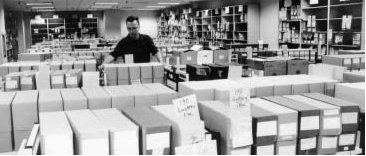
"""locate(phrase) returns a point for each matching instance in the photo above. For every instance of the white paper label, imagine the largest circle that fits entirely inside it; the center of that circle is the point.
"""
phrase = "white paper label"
(189, 58)
(288, 129)
(331, 112)
(240, 8)
(287, 150)
(129, 58)
(347, 139)
(356, 61)
(158, 151)
(157, 141)
(329, 142)
(309, 123)
(26, 81)
(313, 1)
(265, 150)
(57, 79)
(11, 84)
(221, 57)
(235, 72)
(135, 82)
(349, 118)
(186, 107)
(266, 128)
(347, 61)
(308, 143)
(239, 97)
(71, 80)
(331, 123)
(227, 10)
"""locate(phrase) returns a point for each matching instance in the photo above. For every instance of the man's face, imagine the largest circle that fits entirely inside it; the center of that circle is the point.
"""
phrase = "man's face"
(133, 28)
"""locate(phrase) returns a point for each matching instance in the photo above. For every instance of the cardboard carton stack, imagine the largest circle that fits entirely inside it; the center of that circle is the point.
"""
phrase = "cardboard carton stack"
(121, 98)
(74, 99)
(6, 99)
(164, 94)
(143, 97)
(97, 97)
(50, 101)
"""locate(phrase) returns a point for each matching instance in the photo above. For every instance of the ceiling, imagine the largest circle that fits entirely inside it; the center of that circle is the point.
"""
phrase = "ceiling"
(82, 5)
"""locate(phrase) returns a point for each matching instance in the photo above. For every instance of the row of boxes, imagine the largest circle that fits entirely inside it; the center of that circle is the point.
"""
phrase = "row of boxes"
(356, 61)
(200, 57)
(20, 109)
(279, 65)
(125, 74)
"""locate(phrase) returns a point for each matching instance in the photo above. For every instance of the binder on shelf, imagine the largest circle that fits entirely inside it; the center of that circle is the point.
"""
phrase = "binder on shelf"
(50, 101)
(287, 118)
(349, 110)
(121, 98)
(264, 125)
(55, 132)
(122, 74)
(308, 116)
(330, 117)
(143, 96)
(90, 135)
(111, 73)
(287, 147)
(164, 94)
(74, 99)
(97, 97)
(202, 91)
(347, 141)
(6, 143)
(184, 131)
(234, 125)
(327, 145)
(24, 110)
(154, 131)
(123, 133)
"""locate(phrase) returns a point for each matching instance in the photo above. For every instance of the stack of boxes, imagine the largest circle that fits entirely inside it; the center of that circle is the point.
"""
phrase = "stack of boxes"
(6, 99)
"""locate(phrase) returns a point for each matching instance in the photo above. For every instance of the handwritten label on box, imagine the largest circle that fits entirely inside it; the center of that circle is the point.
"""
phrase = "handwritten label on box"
(186, 107)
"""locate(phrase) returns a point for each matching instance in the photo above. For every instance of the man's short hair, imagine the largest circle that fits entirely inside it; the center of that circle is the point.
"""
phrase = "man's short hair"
(133, 18)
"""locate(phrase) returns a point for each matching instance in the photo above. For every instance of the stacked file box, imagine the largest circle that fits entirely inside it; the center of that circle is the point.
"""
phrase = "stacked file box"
(123, 133)
(330, 124)
(308, 124)
(121, 97)
(6, 98)
(143, 96)
(97, 97)
(50, 101)
(164, 94)
(154, 131)
(287, 125)
(74, 99)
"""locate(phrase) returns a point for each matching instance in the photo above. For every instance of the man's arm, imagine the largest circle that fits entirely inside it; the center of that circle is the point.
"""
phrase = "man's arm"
(159, 56)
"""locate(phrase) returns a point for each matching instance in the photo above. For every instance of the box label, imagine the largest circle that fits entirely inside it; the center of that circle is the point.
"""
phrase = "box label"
(239, 97)
(157, 141)
(349, 118)
(129, 58)
(309, 123)
(186, 107)
(329, 142)
(189, 58)
(308, 143)
(331, 112)
(287, 150)
(26, 81)
(266, 128)
(347, 139)
(71, 80)
(57, 79)
(221, 57)
(288, 129)
(332, 123)
(12, 84)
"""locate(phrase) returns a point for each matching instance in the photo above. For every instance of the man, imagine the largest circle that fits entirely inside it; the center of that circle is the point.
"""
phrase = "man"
(136, 44)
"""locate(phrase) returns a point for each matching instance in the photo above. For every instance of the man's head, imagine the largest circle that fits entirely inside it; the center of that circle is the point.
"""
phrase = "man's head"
(133, 26)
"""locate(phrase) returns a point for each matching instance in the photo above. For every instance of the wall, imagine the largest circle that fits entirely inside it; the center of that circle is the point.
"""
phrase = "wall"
(112, 24)
(269, 22)
(2, 31)
(148, 23)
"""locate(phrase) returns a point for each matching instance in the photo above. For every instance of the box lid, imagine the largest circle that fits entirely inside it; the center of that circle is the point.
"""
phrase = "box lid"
(114, 120)
(54, 123)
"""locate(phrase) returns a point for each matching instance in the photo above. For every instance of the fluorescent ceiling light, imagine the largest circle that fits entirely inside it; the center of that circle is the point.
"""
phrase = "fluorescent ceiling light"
(101, 6)
(157, 6)
(43, 7)
(45, 10)
(106, 3)
(167, 3)
(41, 3)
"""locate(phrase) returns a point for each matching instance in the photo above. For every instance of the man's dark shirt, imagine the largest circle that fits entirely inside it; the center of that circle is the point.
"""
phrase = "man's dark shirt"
(140, 48)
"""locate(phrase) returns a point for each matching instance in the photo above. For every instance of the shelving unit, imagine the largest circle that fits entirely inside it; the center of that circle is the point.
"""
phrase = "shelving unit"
(89, 27)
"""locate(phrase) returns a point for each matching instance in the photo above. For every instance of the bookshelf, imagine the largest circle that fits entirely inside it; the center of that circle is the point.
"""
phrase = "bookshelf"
(89, 27)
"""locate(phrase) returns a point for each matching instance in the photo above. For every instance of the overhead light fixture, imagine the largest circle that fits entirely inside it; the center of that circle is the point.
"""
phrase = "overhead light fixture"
(106, 3)
(168, 3)
(43, 7)
(146, 9)
(46, 10)
(41, 3)
(101, 7)
(156, 6)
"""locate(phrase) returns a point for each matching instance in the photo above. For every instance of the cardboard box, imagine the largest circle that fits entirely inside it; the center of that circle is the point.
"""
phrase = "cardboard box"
(55, 65)
(297, 66)
(58, 79)
(203, 92)
(265, 125)
(353, 92)
(110, 71)
(154, 131)
(158, 72)
(6, 98)
(27, 80)
(234, 125)
(287, 118)
(218, 71)
(50, 101)
(286, 147)
(204, 57)
(307, 146)
(184, 132)
(349, 61)
(143, 96)
(327, 145)
(349, 111)
(270, 67)
(67, 65)
(6, 144)
(263, 149)
(121, 98)
(97, 97)
(239, 57)
(25, 67)
(43, 81)
(330, 116)
(198, 72)
(12, 82)
(308, 116)
(19, 135)
(189, 57)
(4, 70)
(73, 78)
(354, 76)
(221, 56)
(123, 74)
(90, 135)
(13, 68)
(73, 99)
(123, 133)
(91, 79)
(90, 65)
(79, 65)
(24, 110)
(146, 73)
(55, 132)
(134, 72)
(347, 141)
(164, 94)
(223, 89)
